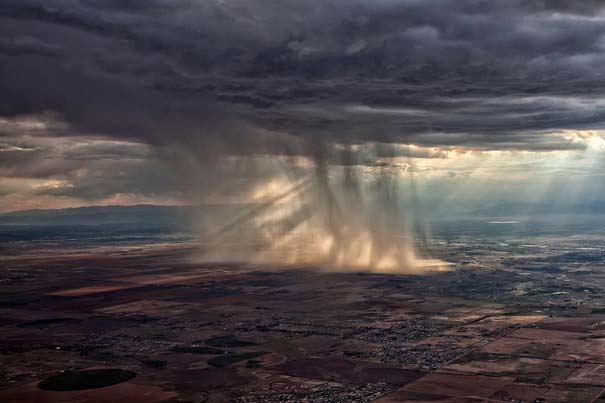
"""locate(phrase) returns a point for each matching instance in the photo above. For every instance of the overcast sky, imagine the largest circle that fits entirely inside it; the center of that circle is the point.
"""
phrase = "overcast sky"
(164, 101)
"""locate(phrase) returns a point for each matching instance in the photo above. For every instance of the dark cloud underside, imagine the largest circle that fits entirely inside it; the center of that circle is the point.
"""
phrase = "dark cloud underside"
(127, 87)
(472, 73)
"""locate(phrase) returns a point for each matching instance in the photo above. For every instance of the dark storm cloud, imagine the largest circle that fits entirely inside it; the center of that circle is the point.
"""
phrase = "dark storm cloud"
(220, 74)
(26, 45)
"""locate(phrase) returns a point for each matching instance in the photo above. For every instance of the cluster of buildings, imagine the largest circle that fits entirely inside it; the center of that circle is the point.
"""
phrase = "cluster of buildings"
(322, 393)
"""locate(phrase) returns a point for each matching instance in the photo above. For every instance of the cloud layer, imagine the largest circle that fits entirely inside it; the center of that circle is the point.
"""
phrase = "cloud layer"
(139, 82)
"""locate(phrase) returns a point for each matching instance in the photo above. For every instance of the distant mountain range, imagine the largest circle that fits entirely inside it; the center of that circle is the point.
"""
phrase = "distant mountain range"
(153, 215)
(100, 215)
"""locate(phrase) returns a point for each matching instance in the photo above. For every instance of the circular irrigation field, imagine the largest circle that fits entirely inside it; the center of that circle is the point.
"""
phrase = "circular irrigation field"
(87, 379)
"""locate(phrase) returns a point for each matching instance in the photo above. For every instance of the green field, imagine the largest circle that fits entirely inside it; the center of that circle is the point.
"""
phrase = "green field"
(88, 379)
(44, 323)
(197, 350)
(232, 358)
(229, 341)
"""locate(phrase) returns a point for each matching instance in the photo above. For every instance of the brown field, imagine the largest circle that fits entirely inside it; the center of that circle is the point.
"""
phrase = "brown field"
(285, 334)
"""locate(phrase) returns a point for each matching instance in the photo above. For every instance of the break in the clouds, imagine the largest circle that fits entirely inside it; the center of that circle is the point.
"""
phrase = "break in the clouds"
(102, 95)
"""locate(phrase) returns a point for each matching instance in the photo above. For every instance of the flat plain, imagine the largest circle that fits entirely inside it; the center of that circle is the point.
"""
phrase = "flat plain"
(509, 321)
